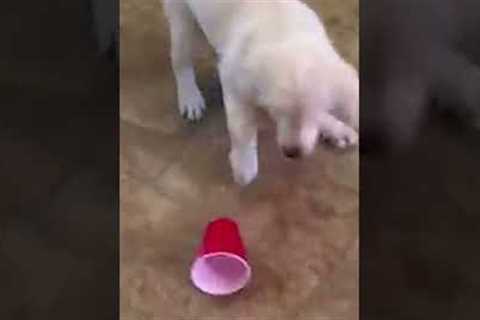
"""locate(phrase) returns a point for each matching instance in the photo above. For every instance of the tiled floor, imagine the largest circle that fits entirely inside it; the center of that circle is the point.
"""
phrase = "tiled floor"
(299, 220)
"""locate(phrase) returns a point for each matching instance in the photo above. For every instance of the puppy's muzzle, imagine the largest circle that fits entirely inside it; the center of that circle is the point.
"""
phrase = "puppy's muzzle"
(292, 152)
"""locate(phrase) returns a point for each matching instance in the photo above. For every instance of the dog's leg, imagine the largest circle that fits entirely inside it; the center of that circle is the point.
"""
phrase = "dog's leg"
(242, 127)
(336, 132)
(183, 33)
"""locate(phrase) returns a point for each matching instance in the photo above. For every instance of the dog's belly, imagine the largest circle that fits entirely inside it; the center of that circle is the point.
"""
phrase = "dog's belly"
(224, 21)
(216, 19)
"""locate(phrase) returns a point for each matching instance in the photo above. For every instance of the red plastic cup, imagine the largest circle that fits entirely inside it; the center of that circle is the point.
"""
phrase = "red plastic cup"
(221, 265)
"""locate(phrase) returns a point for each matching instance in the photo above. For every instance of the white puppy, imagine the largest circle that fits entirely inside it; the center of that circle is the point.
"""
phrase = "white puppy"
(274, 55)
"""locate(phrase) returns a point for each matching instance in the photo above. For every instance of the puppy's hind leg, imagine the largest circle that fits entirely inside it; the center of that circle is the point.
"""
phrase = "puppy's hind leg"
(184, 32)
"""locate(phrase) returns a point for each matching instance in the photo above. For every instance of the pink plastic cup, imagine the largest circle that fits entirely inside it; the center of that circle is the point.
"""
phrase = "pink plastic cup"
(221, 265)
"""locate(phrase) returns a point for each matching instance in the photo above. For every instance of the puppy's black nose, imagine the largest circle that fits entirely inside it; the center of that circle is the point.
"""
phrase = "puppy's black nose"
(292, 152)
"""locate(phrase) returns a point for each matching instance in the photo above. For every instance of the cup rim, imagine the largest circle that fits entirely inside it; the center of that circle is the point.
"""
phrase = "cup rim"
(238, 258)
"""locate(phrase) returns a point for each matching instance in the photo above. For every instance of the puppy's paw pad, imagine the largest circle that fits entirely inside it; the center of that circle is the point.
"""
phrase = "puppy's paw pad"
(344, 138)
(192, 106)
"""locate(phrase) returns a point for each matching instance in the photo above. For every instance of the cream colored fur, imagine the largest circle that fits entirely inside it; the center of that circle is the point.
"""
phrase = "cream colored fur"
(274, 55)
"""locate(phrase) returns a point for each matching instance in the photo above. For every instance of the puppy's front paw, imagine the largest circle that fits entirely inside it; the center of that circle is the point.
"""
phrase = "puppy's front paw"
(191, 104)
(244, 165)
(342, 138)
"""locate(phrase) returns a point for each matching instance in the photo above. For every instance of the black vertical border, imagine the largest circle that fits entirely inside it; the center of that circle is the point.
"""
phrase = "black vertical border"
(419, 190)
(59, 163)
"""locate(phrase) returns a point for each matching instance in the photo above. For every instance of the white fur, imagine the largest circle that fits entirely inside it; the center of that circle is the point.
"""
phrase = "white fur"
(272, 54)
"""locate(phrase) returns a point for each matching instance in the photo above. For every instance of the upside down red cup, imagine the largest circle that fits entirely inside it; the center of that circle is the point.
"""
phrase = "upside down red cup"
(221, 265)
